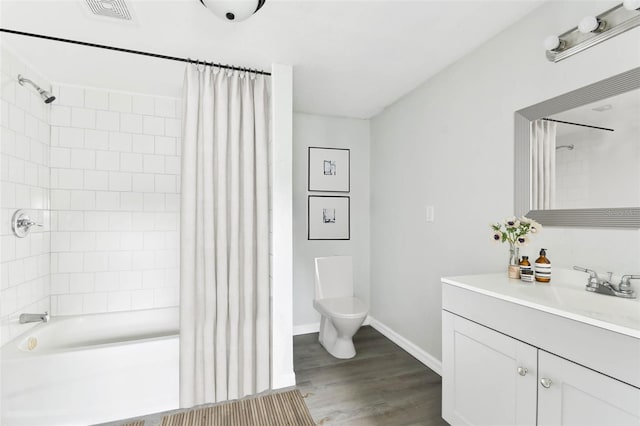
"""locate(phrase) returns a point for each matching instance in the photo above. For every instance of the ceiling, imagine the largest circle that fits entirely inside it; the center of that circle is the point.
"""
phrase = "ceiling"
(350, 58)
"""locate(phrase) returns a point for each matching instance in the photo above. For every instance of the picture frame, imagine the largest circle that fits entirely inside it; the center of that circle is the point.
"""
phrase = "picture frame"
(329, 217)
(329, 169)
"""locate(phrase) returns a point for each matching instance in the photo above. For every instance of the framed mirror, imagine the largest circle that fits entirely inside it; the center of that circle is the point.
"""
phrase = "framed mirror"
(577, 156)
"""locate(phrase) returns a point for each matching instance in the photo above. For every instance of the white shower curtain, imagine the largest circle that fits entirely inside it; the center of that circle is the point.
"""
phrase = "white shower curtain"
(543, 165)
(224, 242)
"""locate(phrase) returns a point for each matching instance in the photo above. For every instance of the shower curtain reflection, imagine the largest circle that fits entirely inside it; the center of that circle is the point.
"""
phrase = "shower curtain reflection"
(543, 164)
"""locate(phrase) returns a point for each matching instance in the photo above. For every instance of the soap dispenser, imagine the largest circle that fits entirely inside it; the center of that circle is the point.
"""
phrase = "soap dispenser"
(542, 267)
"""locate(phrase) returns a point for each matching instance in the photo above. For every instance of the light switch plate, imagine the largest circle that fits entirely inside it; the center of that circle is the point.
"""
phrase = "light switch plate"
(430, 214)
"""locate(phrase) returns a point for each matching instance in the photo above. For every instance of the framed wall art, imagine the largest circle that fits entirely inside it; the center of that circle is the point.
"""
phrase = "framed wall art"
(329, 217)
(329, 169)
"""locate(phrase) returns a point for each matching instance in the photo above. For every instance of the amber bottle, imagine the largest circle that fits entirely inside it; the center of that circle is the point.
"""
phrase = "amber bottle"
(542, 267)
(526, 271)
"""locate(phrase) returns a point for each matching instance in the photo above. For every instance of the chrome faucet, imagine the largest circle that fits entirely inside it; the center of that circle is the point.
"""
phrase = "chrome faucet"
(605, 286)
(26, 318)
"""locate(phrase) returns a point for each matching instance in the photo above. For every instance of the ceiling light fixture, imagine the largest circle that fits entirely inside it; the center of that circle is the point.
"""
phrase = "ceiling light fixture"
(593, 30)
(233, 10)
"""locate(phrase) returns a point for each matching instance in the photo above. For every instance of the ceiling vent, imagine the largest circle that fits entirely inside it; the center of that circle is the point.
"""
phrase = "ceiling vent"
(110, 8)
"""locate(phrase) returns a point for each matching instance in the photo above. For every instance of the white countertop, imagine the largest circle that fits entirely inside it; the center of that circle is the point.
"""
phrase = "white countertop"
(564, 296)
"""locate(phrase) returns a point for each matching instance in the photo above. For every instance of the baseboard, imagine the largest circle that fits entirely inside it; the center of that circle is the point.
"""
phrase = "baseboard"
(306, 328)
(414, 350)
(315, 327)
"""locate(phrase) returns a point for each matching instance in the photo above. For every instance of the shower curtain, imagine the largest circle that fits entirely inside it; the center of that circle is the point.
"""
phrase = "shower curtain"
(224, 242)
(543, 164)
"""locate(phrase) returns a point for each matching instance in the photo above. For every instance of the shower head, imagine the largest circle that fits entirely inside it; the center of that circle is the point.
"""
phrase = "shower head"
(567, 147)
(46, 96)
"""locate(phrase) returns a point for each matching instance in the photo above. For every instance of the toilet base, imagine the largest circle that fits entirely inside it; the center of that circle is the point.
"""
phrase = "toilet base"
(339, 341)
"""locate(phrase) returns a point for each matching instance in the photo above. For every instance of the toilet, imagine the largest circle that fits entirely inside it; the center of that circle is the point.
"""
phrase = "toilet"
(342, 313)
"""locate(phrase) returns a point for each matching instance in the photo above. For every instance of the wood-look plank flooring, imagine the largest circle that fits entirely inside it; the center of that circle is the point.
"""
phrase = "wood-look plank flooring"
(382, 385)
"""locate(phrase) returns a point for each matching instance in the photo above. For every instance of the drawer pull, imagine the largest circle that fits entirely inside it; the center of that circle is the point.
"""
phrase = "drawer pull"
(522, 371)
(546, 383)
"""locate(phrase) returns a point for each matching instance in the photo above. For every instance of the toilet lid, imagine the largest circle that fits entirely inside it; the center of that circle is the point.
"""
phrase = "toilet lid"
(343, 307)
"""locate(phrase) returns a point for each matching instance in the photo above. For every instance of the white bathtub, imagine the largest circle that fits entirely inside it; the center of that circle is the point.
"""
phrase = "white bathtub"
(87, 369)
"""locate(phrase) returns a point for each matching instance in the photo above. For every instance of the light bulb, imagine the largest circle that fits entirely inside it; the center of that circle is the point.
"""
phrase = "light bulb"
(631, 4)
(552, 42)
(588, 24)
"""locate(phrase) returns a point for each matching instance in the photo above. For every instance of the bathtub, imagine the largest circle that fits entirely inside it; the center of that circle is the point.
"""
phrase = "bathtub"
(87, 369)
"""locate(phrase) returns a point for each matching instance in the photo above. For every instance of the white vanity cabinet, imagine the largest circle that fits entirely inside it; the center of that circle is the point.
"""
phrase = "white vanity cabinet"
(507, 363)
(579, 396)
(489, 378)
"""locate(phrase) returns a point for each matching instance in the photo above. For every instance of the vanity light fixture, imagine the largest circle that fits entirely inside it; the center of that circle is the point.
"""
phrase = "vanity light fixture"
(593, 30)
(591, 24)
(554, 43)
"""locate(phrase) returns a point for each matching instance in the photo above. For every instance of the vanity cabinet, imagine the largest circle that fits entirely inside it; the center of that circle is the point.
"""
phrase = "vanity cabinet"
(526, 354)
(490, 378)
(580, 396)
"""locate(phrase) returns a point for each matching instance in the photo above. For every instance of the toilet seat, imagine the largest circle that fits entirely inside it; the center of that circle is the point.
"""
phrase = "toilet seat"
(342, 307)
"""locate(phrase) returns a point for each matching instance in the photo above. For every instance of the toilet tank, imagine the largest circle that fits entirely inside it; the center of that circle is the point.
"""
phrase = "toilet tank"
(334, 277)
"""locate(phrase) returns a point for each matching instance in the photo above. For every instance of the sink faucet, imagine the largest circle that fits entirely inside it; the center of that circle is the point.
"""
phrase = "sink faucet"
(26, 318)
(605, 286)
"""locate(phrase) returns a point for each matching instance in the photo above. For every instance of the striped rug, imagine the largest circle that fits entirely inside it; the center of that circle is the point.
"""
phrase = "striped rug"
(285, 408)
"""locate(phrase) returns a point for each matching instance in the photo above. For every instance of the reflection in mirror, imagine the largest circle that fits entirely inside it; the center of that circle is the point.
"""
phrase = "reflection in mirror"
(577, 156)
(596, 152)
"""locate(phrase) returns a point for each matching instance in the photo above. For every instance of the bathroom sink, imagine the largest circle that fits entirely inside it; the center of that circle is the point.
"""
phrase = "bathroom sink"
(565, 296)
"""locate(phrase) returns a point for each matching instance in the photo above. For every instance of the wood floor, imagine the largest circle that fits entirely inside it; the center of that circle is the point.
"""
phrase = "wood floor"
(381, 385)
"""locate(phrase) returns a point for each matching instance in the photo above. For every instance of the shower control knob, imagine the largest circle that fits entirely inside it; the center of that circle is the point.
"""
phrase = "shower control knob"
(522, 371)
(21, 224)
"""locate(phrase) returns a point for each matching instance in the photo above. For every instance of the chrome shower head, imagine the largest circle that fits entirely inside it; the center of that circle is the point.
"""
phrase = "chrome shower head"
(46, 96)
(567, 147)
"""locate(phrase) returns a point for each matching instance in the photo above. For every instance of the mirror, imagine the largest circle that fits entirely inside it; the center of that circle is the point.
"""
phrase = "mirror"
(578, 156)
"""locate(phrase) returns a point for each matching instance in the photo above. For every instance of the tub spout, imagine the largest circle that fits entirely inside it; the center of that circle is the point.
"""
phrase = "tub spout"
(25, 318)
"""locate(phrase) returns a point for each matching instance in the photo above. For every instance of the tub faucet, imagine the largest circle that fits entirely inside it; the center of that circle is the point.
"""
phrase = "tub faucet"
(26, 318)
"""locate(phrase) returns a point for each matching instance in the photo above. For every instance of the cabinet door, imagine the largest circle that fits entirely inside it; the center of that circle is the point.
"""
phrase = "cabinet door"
(488, 377)
(576, 395)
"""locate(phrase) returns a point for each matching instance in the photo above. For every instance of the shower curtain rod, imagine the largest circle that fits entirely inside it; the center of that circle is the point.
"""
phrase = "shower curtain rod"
(578, 124)
(135, 52)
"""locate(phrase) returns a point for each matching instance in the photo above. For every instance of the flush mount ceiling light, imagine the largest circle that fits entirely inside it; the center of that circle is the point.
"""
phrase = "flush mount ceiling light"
(593, 30)
(233, 10)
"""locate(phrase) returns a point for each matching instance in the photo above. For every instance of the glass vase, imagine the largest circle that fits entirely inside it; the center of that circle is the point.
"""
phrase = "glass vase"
(514, 262)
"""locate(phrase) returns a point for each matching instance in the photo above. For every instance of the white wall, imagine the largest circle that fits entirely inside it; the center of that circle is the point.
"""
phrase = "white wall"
(115, 201)
(332, 132)
(449, 144)
(282, 374)
(24, 184)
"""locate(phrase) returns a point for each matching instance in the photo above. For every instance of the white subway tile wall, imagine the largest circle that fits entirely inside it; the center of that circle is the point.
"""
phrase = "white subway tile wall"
(24, 184)
(115, 174)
